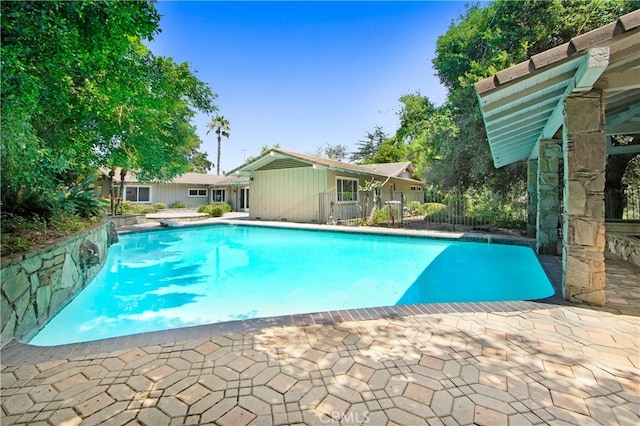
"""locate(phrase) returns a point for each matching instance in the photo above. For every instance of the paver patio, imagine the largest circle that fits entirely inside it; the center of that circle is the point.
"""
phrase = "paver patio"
(548, 363)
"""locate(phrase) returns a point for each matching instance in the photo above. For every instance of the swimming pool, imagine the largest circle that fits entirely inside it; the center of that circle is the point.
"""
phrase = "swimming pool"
(181, 277)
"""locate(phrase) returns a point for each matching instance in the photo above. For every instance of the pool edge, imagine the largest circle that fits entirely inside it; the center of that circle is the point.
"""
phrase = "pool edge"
(15, 352)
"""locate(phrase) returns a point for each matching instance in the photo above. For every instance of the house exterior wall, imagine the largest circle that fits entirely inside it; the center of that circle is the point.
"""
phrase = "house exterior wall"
(169, 193)
(288, 194)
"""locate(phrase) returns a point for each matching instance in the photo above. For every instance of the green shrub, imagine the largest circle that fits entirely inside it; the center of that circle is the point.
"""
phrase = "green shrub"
(20, 234)
(434, 211)
(215, 210)
(142, 209)
(180, 205)
(159, 206)
(504, 210)
(379, 216)
(414, 207)
(81, 199)
(382, 215)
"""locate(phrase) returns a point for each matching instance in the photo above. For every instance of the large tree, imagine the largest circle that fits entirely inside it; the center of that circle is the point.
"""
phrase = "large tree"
(368, 147)
(220, 126)
(486, 40)
(333, 152)
(80, 90)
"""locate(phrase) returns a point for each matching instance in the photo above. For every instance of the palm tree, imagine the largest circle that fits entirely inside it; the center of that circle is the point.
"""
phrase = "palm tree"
(221, 126)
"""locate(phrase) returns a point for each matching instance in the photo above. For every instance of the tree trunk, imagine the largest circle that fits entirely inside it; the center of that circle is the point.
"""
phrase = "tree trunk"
(219, 147)
(112, 173)
(123, 175)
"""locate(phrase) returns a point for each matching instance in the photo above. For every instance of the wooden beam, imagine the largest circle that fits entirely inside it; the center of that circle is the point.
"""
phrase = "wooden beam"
(597, 60)
(626, 80)
(629, 128)
(593, 65)
(624, 149)
(622, 116)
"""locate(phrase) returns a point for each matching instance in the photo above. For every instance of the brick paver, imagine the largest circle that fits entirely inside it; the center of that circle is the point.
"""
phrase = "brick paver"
(553, 363)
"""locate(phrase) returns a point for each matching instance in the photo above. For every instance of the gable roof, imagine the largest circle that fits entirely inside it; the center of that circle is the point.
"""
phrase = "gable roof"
(280, 159)
(524, 103)
(186, 178)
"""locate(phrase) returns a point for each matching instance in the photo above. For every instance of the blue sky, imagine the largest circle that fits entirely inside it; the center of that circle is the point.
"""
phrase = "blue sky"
(305, 74)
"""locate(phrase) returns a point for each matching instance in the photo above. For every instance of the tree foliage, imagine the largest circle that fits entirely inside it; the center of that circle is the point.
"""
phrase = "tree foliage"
(486, 40)
(333, 152)
(80, 91)
(368, 147)
(220, 126)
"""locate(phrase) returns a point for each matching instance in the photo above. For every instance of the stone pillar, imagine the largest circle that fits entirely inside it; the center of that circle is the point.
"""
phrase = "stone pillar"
(532, 197)
(584, 151)
(548, 211)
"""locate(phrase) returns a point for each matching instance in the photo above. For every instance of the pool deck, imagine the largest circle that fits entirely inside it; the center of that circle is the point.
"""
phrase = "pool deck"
(514, 363)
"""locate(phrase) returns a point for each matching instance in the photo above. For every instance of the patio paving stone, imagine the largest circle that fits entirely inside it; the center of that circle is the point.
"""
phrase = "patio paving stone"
(514, 363)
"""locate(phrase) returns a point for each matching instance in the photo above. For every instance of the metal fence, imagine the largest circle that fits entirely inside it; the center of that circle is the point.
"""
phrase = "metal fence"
(453, 211)
(623, 204)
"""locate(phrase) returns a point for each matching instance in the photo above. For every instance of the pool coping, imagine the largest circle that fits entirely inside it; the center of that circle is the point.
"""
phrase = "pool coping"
(18, 353)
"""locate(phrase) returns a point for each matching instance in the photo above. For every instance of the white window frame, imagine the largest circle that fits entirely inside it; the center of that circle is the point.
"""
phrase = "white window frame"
(198, 192)
(416, 188)
(224, 195)
(340, 189)
(137, 200)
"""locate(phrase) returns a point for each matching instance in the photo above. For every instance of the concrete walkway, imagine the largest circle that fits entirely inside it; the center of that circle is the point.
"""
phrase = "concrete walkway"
(489, 364)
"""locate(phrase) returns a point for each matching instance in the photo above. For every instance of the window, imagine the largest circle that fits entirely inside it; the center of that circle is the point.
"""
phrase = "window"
(218, 195)
(198, 192)
(416, 188)
(347, 189)
(138, 194)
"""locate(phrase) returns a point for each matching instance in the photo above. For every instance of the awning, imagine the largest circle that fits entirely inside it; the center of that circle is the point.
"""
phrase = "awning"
(523, 104)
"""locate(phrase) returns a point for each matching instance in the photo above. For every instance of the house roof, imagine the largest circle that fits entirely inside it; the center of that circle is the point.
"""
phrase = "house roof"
(524, 103)
(281, 159)
(186, 178)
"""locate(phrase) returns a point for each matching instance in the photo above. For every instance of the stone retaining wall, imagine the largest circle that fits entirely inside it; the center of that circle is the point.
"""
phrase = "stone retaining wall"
(129, 219)
(38, 283)
(624, 246)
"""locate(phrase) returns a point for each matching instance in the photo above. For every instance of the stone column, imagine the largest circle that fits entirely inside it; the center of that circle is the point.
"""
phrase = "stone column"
(532, 197)
(584, 151)
(548, 211)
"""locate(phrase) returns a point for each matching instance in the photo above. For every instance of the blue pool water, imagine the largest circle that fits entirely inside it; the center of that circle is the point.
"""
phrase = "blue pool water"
(182, 277)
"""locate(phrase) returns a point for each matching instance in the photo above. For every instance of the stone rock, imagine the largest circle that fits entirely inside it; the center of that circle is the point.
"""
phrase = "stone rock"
(5, 310)
(589, 153)
(35, 283)
(585, 232)
(577, 198)
(28, 324)
(43, 296)
(595, 207)
(577, 274)
(70, 273)
(8, 329)
(32, 264)
(58, 300)
(16, 286)
(596, 297)
(583, 114)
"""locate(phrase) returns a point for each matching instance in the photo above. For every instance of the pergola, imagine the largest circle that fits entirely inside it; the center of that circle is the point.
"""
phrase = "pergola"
(566, 103)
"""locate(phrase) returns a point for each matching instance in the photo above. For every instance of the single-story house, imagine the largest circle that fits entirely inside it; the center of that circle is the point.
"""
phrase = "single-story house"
(194, 189)
(295, 187)
(557, 111)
